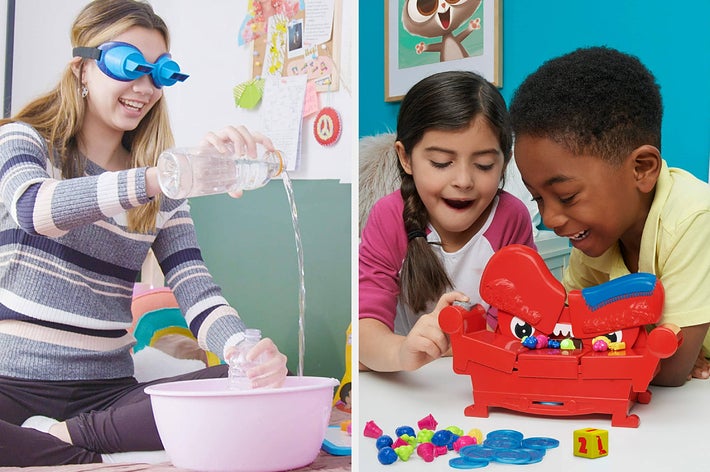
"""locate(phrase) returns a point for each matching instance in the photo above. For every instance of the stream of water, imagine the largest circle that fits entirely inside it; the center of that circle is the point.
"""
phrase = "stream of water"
(301, 273)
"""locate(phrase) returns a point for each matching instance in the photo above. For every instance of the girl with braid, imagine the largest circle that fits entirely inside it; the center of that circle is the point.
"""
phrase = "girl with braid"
(425, 245)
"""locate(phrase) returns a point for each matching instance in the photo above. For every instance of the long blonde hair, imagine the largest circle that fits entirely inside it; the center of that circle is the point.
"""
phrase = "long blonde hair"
(59, 114)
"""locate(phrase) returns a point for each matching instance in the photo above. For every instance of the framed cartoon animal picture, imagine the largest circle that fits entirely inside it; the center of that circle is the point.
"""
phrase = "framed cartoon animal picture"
(423, 37)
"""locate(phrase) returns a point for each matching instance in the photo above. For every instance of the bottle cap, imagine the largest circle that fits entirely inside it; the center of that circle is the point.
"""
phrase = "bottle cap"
(277, 154)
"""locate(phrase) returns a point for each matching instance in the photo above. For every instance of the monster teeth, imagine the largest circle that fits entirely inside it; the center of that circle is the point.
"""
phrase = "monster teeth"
(564, 330)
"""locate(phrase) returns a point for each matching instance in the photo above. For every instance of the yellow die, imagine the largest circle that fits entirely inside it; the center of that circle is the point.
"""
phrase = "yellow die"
(591, 443)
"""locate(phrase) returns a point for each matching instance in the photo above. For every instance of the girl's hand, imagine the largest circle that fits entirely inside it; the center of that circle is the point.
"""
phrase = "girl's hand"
(271, 370)
(238, 140)
(426, 341)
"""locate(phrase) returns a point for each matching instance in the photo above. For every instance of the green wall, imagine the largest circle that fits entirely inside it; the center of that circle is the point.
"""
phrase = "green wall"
(250, 249)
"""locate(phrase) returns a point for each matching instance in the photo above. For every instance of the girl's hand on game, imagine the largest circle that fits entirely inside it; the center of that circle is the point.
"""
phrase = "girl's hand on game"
(240, 141)
(426, 341)
(271, 371)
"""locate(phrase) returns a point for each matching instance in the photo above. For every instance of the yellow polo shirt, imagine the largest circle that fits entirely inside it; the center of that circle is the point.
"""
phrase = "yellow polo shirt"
(674, 246)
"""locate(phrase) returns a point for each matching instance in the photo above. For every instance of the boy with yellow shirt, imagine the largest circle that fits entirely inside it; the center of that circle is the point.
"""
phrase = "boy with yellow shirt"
(587, 129)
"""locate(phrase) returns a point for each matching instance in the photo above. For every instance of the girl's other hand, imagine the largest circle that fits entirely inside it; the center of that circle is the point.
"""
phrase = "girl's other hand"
(272, 370)
(426, 341)
(238, 140)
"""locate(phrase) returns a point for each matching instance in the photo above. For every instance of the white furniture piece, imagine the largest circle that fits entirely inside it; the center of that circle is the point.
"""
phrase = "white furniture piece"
(672, 434)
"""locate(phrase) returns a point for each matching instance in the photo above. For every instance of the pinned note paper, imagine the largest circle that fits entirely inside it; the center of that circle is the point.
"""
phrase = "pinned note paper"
(282, 108)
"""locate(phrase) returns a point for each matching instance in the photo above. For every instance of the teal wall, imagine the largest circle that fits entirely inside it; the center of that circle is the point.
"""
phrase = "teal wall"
(250, 249)
(671, 39)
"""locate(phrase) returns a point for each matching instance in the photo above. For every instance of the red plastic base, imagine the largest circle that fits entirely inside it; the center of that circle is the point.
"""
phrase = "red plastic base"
(552, 381)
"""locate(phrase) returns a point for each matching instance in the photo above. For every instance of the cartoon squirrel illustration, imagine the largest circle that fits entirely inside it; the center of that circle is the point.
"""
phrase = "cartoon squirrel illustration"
(434, 18)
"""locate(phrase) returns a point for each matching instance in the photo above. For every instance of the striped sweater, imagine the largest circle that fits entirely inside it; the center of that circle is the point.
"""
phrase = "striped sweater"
(68, 265)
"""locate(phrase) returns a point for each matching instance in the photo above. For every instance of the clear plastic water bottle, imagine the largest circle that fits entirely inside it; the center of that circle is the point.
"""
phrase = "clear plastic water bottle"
(192, 172)
(238, 363)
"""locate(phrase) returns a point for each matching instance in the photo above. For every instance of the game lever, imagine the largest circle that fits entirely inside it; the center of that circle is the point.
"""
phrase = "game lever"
(591, 352)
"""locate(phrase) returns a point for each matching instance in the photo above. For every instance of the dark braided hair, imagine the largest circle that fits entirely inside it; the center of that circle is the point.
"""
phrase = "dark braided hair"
(448, 100)
(596, 101)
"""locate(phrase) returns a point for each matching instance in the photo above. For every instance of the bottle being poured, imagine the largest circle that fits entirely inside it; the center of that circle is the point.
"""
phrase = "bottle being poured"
(193, 172)
(239, 365)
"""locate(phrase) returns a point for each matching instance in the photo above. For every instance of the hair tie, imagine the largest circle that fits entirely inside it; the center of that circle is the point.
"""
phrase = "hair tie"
(417, 233)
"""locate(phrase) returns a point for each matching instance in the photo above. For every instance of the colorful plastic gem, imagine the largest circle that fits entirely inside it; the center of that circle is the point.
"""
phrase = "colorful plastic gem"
(425, 435)
(541, 341)
(402, 430)
(455, 429)
(399, 442)
(440, 451)
(477, 434)
(618, 346)
(383, 441)
(463, 441)
(426, 451)
(411, 440)
(529, 342)
(600, 346)
(442, 437)
(567, 344)
(372, 430)
(403, 452)
(387, 456)
(428, 422)
(553, 343)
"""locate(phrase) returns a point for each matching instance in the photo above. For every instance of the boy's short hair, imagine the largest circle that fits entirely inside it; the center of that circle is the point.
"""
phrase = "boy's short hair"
(596, 101)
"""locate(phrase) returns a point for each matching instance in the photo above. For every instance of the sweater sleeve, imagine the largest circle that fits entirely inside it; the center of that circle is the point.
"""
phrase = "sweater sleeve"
(382, 250)
(209, 316)
(41, 204)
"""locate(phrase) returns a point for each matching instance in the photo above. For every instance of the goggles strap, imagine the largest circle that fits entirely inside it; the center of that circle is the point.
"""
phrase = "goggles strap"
(88, 53)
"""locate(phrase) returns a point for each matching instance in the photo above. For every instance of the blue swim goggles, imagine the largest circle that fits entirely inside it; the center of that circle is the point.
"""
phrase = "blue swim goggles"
(125, 62)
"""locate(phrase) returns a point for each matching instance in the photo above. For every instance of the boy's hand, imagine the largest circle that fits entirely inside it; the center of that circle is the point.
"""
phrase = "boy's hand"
(426, 341)
(701, 369)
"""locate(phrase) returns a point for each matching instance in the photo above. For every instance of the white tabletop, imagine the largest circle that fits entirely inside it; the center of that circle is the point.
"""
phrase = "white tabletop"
(674, 427)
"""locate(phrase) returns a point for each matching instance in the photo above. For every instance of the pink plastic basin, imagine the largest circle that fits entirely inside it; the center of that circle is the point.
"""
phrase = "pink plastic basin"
(204, 426)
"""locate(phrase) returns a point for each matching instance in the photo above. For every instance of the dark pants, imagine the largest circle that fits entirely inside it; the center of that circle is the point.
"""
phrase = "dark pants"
(102, 417)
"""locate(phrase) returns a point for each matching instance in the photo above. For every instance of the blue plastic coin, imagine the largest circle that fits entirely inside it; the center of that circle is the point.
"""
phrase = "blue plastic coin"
(512, 456)
(536, 455)
(540, 443)
(477, 451)
(502, 443)
(505, 433)
(467, 463)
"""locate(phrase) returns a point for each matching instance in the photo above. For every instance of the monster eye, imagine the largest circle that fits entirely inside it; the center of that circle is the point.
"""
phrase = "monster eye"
(520, 328)
(427, 7)
(614, 337)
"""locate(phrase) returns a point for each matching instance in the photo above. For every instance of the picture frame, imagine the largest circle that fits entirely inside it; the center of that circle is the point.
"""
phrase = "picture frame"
(475, 44)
